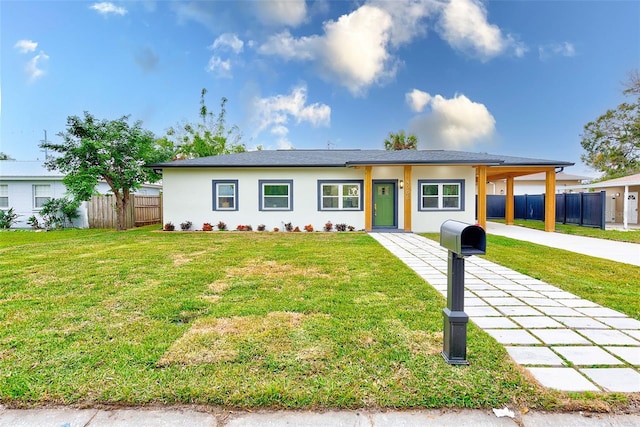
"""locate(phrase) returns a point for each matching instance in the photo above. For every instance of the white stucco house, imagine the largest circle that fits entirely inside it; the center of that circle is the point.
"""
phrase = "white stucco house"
(622, 198)
(535, 183)
(411, 190)
(26, 185)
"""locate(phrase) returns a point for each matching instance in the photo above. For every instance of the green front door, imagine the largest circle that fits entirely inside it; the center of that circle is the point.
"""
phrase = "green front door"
(384, 204)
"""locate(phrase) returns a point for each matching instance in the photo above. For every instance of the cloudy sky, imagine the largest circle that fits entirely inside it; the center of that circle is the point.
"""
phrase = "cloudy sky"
(507, 77)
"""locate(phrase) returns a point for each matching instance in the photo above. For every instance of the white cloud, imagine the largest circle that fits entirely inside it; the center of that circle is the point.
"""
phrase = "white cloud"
(289, 12)
(201, 12)
(228, 41)
(220, 67)
(34, 66)
(417, 100)
(274, 113)
(565, 49)
(463, 24)
(454, 123)
(285, 45)
(106, 8)
(352, 51)
(408, 17)
(26, 46)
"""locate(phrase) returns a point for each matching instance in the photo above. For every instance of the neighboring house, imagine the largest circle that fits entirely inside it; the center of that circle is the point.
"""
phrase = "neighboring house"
(26, 185)
(622, 198)
(535, 183)
(368, 189)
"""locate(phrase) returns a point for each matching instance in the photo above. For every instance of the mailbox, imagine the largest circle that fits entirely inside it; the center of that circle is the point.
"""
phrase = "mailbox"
(463, 239)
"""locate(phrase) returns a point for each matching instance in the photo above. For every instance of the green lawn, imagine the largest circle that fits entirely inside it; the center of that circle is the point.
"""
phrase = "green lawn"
(287, 320)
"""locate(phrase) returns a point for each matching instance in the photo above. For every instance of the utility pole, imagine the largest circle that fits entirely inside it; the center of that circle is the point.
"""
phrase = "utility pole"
(44, 141)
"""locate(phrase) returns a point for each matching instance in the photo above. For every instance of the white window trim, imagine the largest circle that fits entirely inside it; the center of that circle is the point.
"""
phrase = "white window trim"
(216, 197)
(4, 195)
(340, 196)
(440, 183)
(49, 196)
(264, 182)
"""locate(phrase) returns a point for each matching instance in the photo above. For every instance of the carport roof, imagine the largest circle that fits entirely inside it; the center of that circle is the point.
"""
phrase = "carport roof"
(347, 158)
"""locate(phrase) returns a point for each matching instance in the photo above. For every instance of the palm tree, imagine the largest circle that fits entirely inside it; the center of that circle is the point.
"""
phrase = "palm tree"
(400, 141)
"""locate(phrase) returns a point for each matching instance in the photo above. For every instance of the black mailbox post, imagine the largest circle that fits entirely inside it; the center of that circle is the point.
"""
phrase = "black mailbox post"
(461, 240)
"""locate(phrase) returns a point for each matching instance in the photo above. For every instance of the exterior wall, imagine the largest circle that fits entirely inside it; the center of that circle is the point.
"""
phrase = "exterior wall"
(521, 186)
(21, 199)
(188, 196)
(615, 205)
(430, 221)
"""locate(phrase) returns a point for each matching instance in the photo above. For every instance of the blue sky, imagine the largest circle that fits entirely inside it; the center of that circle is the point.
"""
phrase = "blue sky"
(506, 77)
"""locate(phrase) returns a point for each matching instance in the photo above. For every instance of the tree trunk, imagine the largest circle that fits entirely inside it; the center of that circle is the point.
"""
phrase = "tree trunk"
(122, 200)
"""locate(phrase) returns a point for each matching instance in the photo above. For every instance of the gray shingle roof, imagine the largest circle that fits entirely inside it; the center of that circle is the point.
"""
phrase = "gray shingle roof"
(346, 158)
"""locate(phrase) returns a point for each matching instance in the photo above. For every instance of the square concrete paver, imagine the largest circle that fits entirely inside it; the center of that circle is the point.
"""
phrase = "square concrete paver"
(507, 301)
(474, 302)
(512, 336)
(608, 337)
(565, 379)
(633, 333)
(621, 322)
(577, 302)
(559, 336)
(629, 354)
(558, 311)
(586, 355)
(600, 312)
(543, 302)
(534, 356)
(558, 294)
(481, 311)
(537, 322)
(487, 293)
(494, 323)
(581, 322)
(521, 310)
(525, 294)
(625, 380)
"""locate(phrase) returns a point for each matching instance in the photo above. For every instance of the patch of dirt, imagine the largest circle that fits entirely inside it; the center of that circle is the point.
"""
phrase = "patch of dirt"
(278, 334)
(273, 269)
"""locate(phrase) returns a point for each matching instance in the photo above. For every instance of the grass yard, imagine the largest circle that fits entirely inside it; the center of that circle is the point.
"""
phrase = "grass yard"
(278, 320)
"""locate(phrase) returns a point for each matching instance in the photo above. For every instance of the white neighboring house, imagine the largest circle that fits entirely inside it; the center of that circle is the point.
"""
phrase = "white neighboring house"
(622, 198)
(535, 184)
(412, 190)
(26, 185)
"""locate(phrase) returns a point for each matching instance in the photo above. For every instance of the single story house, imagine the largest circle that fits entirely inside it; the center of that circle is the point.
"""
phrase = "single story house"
(26, 185)
(535, 183)
(622, 198)
(410, 190)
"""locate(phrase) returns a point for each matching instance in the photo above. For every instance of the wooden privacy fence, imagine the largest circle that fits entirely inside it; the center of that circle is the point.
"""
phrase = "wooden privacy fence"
(142, 210)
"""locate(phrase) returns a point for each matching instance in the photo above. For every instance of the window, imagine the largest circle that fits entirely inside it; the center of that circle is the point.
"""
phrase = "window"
(276, 195)
(41, 195)
(441, 195)
(225, 195)
(340, 195)
(4, 196)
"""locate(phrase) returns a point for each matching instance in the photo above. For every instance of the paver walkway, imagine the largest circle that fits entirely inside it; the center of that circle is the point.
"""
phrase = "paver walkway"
(565, 342)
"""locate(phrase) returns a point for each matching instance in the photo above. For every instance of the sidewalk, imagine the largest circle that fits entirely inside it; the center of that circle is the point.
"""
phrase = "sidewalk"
(180, 416)
(565, 342)
(628, 253)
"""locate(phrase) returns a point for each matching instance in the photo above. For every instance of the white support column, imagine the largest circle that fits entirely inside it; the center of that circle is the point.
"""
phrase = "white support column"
(625, 208)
